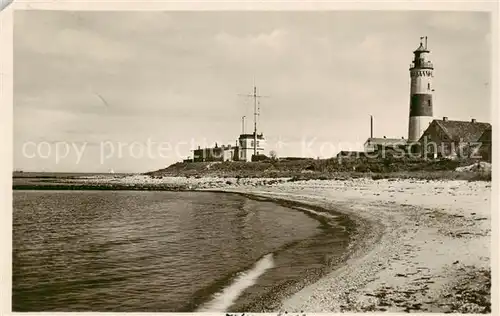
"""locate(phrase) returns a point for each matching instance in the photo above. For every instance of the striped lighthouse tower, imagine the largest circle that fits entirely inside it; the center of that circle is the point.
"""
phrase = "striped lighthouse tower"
(421, 74)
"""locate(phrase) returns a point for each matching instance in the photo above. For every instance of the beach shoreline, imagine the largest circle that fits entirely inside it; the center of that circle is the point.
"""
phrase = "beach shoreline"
(422, 258)
(356, 228)
(423, 243)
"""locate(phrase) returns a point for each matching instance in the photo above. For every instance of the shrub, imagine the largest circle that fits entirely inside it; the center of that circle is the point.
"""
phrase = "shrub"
(260, 157)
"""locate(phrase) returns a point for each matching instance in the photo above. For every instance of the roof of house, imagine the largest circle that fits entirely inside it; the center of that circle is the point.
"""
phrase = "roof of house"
(486, 136)
(465, 131)
(386, 141)
(218, 148)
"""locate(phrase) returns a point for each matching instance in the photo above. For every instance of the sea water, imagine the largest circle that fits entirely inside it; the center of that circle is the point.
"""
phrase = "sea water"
(134, 251)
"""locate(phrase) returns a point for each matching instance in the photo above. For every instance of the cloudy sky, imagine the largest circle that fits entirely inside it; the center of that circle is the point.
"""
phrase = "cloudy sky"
(135, 91)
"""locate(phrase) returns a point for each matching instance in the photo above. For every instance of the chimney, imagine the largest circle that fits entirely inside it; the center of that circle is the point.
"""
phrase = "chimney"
(473, 120)
(371, 126)
(445, 118)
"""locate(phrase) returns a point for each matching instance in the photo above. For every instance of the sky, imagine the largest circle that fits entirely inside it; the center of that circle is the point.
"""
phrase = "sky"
(136, 91)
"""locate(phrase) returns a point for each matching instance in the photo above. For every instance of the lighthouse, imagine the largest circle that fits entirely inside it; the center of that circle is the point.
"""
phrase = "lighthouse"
(421, 74)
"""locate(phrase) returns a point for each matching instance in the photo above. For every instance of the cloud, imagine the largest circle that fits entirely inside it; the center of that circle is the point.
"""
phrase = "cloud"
(458, 21)
(176, 76)
(77, 43)
(273, 40)
(259, 48)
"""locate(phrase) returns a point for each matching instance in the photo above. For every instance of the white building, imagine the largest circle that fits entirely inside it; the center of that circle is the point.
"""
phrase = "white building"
(246, 146)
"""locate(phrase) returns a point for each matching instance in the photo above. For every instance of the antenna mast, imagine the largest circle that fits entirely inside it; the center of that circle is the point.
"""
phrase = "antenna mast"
(255, 96)
(255, 120)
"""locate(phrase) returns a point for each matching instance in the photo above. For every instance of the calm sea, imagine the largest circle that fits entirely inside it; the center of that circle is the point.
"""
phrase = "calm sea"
(132, 251)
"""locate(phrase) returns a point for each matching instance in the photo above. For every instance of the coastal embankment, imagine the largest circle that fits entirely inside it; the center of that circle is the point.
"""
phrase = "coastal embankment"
(334, 168)
(422, 246)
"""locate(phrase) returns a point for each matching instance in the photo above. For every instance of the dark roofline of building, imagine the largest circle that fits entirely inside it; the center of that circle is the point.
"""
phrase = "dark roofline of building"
(472, 121)
(217, 148)
(379, 140)
(445, 123)
(245, 136)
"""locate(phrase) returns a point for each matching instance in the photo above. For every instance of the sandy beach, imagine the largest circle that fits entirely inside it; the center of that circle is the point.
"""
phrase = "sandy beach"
(427, 247)
(420, 246)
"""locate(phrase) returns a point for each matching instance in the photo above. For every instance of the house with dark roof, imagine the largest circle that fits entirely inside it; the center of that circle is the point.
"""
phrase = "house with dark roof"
(445, 138)
(222, 153)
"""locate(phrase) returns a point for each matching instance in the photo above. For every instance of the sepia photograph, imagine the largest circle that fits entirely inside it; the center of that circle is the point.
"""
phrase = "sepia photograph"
(252, 161)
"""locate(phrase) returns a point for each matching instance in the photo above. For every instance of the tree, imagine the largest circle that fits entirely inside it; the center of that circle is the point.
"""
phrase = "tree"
(273, 155)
